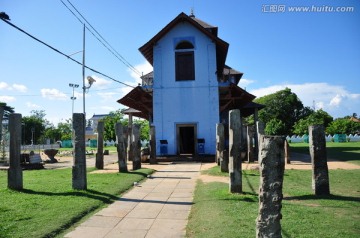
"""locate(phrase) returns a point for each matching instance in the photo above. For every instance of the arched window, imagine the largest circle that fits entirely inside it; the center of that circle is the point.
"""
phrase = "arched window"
(184, 61)
(183, 45)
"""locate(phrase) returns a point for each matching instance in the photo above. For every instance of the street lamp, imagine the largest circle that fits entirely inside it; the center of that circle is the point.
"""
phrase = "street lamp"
(89, 78)
(73, 86)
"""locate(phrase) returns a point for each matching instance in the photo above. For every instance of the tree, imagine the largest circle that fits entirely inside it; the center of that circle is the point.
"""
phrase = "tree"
(65, 129)
(275, 127)
(52, 133)
(144, 128)
(284, 106)
(33, 129)
(118, 116)
(343, 126)
(109, 124)
(301, 127)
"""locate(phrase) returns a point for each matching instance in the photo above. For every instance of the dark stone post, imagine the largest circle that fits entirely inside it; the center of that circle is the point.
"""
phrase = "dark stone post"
(129, 149)
(152, 145)
(249, 138)
(235, 173)
(272, 165)
(259, 131)
(121, 148)
(79, 167)
(260, 128)
(15, 174)
(287, 151)
(317, 146)
(223, 161)
(99, 164)
(256, 132)
(136, 147)
(219, 145)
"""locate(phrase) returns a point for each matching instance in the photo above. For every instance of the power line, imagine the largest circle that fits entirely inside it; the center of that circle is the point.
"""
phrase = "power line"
(58, 51)
(107, 45)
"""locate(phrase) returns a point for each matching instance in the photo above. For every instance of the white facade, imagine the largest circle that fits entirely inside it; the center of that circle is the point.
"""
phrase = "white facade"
(192, 104)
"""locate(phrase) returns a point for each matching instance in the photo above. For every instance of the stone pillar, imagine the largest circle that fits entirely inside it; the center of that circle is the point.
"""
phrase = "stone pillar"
(235, 173)
(15, 174)
(121, 148)
(99, 163)
(79, 167)
(320, 174)
(272, 165)
(220, 147)
(260, 130)
(125, 139)
(129, 138)
(136, 147)
(152, 145)
(224, 163)
(220, 141)
(287, 151)
(250, 149)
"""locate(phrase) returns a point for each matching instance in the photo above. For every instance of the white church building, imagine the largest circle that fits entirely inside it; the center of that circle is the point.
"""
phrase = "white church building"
(190, 89)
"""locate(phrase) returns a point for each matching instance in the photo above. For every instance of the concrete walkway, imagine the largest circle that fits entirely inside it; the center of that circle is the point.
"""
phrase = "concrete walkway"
(158, 207)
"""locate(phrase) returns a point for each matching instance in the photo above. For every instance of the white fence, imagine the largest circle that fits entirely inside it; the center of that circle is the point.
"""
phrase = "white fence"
(144, 143)
(297, 139)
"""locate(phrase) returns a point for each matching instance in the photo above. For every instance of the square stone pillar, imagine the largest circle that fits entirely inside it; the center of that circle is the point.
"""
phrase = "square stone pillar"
(235, 131)
(272, 166)
(121, 148)
(15, 174)
(136, 147)
(320, 173)
(99, 163)
(79, 167)
(152, 145)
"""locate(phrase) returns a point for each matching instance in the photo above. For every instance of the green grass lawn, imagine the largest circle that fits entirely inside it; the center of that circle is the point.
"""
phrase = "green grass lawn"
(48, 205)
(217, 213)
(346, 151)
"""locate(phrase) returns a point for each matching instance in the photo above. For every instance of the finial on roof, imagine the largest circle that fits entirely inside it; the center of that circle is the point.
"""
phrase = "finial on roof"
(192, 13)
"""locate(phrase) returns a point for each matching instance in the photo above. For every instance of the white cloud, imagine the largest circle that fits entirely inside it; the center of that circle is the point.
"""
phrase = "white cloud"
(108, 108)
(334, 99)
(100, 83)
(245, 82)
(53, 94)
(143, 68)
(107, 96)
(4, 86)
(32, 105)
(7, 99)
(15, 87)
(19, 87)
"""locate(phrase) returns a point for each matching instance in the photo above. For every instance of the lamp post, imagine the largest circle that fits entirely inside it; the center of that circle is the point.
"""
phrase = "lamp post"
(83, 72)
(73, 86)
(89, 78)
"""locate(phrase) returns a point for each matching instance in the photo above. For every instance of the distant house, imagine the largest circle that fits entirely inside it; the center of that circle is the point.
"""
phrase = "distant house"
(191, 88)
(90, 131)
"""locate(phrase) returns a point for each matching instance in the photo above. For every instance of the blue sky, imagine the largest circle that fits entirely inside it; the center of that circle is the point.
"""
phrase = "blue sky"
(316, 54)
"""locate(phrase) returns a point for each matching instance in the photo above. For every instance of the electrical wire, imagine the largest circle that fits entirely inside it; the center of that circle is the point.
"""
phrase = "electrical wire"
(107, 45)
(67, 56)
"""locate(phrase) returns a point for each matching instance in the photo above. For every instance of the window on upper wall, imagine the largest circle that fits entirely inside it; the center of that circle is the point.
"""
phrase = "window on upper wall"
(184, 61)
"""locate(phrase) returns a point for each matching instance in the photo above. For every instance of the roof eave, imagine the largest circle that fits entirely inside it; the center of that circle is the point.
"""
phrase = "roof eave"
(221, 45)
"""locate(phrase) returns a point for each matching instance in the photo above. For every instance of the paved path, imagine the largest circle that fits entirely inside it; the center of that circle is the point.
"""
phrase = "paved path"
(158, 207)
